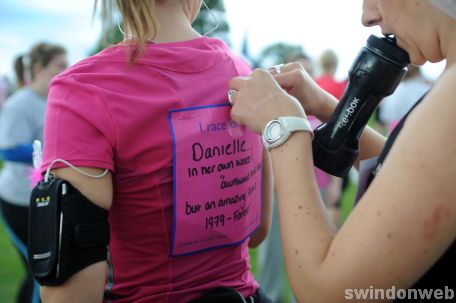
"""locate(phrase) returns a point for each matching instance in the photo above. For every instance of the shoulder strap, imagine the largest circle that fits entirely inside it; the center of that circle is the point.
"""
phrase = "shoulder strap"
(390, 141)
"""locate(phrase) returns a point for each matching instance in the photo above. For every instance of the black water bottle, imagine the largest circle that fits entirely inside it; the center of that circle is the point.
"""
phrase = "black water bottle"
(375, 74)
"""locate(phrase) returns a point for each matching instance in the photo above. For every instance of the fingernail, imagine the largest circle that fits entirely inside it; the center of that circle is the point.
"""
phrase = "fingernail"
(277, 68)
(230, 93)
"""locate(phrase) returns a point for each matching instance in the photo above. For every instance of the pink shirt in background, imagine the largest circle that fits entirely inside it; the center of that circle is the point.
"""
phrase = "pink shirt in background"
(323, 179)
(331, 85)
(107, 114)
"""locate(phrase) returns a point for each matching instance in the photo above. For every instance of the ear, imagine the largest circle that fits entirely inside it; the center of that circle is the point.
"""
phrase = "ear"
(36, 69)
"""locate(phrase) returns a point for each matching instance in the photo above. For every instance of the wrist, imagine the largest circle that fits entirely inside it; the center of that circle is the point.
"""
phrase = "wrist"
(297, 142)
(328, 105)
(278, 130)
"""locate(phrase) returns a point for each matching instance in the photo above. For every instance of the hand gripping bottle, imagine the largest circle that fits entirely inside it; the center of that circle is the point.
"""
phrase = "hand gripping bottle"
(375, 74)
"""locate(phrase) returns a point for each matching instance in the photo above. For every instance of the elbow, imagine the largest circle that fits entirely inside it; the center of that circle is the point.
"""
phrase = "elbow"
(258, 236)
(48, 295)
(54, 294)
(317, 285)
(313, 294)
(254, 242)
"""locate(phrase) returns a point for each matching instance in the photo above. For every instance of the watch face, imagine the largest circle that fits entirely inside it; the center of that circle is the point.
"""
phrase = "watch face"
(273, 131)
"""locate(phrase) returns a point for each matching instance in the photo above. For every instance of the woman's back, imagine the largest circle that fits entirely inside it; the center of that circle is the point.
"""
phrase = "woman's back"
(124, 109)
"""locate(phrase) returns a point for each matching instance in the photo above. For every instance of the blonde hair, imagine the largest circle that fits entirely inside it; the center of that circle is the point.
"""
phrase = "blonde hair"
(328, 61)
(139, 17)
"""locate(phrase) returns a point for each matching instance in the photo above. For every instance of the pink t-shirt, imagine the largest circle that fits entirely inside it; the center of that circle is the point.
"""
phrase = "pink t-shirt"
(331, 85)
(108, 114)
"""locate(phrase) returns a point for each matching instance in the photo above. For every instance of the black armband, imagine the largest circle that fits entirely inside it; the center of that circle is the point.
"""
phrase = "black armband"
(67, 232)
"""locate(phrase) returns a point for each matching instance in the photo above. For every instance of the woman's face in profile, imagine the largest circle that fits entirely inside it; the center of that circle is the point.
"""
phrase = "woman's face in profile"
(407, 21)
(57, 65)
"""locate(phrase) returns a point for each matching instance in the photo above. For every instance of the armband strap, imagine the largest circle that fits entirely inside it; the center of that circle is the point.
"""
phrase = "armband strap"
(67, 232)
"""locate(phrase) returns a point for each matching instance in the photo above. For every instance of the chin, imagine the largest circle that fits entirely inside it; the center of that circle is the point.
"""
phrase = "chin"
(435, 58)
(417, 58)
(418, 61)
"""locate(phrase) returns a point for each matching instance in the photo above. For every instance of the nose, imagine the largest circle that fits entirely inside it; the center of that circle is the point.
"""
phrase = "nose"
(370, 17)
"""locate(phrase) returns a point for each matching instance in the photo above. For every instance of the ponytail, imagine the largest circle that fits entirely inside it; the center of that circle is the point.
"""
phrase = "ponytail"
(19, 69)
(139, 18)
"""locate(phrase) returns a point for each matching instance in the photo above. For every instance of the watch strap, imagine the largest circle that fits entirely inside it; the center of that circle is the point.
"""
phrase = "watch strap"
(288, 126)
(293, 124)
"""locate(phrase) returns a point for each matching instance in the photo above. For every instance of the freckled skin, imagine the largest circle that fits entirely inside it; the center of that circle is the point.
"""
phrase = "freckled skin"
(432, 224)
(381, 242)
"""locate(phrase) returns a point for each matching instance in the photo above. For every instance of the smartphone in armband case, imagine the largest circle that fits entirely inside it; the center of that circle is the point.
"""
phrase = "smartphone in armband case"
(67, 232)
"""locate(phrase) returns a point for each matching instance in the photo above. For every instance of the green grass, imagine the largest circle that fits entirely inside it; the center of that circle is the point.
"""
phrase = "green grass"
(348, 198)
(11, 269)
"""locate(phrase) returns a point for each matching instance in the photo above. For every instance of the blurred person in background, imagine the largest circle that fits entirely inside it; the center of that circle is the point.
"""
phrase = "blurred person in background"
(328, 63)
(23, 73)
(5, 90)
(21, 122)
(304, 59)
(393, 108)
(334, 186)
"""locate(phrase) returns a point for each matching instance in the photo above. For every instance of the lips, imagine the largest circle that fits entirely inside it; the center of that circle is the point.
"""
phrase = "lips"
(391, 36)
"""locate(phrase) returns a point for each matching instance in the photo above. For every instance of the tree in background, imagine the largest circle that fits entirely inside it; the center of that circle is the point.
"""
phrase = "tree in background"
(110, 37)
(205, 21)
(278, 53)
(203, 24)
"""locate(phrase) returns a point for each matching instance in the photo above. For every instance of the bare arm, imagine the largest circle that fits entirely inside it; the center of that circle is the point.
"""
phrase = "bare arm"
(88, 284)
(266, 204)
(402, 225)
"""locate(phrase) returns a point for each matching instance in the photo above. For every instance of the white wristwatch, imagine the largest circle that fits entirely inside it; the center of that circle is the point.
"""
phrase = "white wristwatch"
(277, 131)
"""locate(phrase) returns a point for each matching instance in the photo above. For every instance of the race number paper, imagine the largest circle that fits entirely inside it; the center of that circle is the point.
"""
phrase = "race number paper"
(217, 179)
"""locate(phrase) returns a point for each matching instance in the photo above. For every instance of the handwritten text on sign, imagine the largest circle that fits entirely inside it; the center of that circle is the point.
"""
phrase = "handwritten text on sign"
(217, 179)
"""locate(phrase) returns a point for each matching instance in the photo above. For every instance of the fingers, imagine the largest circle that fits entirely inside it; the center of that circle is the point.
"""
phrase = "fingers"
(258, 98)
(238, 82)
(292, 66)
(289, 79)
(236, 115)
(230, 95)
(246, 94)
(288, 75)
(276, 69)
